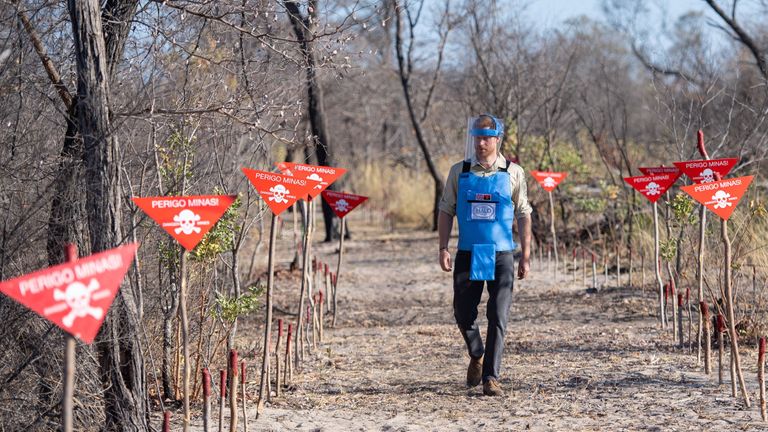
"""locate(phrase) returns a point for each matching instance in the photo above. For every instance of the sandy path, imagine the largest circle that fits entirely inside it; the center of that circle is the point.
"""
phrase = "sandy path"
(573, 361)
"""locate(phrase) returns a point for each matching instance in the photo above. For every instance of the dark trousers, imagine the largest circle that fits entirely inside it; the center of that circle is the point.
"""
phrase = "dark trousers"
(466, 297)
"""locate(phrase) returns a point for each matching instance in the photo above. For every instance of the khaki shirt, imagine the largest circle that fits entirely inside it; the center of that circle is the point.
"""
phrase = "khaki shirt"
(518, 186)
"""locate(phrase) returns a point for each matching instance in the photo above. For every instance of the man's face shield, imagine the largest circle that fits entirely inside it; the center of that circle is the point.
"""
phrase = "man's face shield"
(476, 135)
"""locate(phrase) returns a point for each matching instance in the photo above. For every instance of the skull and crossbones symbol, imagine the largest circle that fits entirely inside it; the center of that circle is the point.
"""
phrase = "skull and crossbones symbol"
(342, 205)
(187, 221)
(722, 199)
(707, 176)
(278, 194)
(652, 189)
(549, 182)
(78, 297)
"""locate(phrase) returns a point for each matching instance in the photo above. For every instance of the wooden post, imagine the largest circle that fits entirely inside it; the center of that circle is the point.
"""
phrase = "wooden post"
(700, 255)
(761, 376)
(268, 321)
(729, 310)
(288, 360)
(242, 395)
(553, 231)
(233, 381)
(184, 337)
(299, 349)
(584, 266)
(222, 397)
(618, 266)
(662, 315)
(594, 272)
(206, 400)
(278, 384)
(707, 337)
(334, 278)
(720, 328)
(67, 402)
(680, 338)
(672, 295)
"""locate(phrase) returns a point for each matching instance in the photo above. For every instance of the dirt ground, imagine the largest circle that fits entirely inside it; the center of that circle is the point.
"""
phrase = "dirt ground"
(573, 361)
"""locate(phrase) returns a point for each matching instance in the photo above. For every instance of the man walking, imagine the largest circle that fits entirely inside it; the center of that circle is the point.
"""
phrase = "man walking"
(486, 193)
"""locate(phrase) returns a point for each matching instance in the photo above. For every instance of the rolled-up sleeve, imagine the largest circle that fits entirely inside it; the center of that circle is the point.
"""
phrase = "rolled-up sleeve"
(448, 200)
(520, 192)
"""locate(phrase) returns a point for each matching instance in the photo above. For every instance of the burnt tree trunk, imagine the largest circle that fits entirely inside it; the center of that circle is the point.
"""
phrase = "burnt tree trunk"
(120, 357)
(303, 27)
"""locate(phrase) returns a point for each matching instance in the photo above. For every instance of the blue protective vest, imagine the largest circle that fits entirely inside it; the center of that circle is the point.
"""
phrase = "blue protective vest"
(485, 210)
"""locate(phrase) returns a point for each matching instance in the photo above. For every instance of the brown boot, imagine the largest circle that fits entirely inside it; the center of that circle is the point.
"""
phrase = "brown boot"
(492, 388)
(474, 371)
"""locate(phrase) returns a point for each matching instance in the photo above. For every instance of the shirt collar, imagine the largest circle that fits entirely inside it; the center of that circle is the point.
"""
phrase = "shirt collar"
(501, 162)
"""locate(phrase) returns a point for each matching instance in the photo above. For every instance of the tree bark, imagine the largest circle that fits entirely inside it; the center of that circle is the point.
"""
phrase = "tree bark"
(303, 26)
(120, 357)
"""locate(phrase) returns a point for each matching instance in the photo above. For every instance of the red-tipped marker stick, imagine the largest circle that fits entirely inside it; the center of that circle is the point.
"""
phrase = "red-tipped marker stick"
(761, 376)
(167, 421)
(222, 396)
(206, 400)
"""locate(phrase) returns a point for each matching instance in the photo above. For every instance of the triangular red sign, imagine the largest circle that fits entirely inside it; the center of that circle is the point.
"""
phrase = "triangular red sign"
(548, 179)
(75, 295)
(279, 191)
(186, 218)
(652, 186)
(342, 203)
(706, 171)
(722, 196)
(320, 177)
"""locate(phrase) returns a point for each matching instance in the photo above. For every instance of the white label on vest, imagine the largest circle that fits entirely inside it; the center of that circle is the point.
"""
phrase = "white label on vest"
(483, 211)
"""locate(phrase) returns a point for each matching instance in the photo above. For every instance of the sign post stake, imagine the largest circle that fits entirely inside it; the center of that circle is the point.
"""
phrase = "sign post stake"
(656, 254)
(69, 364)
(729, 310)
(268, 323)
(184, 335)
(338, 270)
(553, 231)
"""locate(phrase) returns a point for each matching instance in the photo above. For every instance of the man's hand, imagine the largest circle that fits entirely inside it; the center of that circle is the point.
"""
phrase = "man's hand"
(445, 260)
(523, 267)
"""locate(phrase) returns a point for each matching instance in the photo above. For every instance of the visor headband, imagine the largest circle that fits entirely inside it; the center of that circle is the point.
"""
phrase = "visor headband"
(485, 132)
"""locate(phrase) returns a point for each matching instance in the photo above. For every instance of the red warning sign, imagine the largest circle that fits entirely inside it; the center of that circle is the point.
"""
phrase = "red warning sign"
(722, 196)
(320, 177)
(342, 203)
(279, 191)
(548, 179)
(707, 171)
(652, 186)
(186, 218)
(76, 295)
